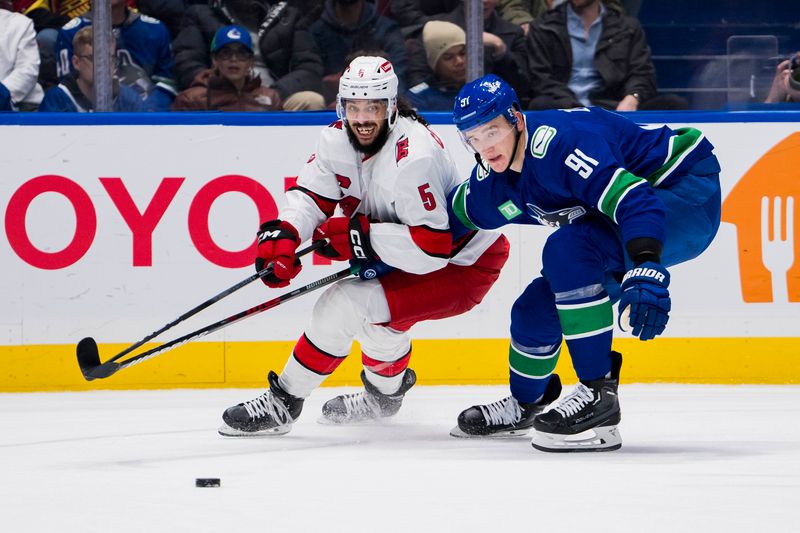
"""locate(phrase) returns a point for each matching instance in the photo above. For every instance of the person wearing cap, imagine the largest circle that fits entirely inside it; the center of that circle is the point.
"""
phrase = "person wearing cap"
(285, 55)
(446, 52)
(230, 85)
(503, 43)
(389, 175)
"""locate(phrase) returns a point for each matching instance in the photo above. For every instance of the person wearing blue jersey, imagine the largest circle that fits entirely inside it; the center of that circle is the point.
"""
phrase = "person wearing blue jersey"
(626, 202)
(75, 91)
(144, 56)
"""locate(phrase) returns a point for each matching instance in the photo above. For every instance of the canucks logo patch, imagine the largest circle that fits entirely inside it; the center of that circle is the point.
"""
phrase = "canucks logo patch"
(509, 210)
(540, 140)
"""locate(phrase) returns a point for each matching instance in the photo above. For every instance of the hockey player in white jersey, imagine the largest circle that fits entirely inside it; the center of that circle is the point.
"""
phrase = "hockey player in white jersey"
(390, 175)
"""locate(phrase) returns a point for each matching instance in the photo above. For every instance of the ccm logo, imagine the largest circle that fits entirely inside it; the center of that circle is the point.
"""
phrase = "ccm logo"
(356, 244)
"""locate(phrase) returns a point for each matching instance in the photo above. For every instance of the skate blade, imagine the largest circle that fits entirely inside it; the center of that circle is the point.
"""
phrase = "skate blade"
(364, 422)
(458, 433)
(227, 431)
(600, 439)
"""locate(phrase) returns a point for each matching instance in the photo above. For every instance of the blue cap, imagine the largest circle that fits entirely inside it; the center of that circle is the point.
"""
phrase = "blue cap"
(231, 34)
(481, 100)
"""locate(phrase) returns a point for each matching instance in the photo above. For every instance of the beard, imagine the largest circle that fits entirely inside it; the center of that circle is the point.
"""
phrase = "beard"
(375, 146)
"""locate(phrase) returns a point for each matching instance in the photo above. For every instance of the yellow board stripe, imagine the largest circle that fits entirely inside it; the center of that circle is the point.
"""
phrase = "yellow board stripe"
(437, 362)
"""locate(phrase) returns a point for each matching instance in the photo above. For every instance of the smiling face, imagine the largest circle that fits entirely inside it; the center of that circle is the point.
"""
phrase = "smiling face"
(494, 141)
(366, 120)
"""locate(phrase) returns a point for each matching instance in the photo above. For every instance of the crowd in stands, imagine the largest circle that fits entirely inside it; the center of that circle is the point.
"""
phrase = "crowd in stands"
(262, 55)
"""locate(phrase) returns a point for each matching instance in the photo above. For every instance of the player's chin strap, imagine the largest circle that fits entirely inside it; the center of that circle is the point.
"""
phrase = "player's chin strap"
(517, 135)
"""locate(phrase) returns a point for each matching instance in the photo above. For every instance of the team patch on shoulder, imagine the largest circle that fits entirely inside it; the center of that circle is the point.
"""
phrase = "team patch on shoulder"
(74, 23)
(149, 20)
(540, 140)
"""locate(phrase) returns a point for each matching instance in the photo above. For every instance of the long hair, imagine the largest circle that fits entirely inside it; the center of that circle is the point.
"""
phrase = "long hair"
(404, 109)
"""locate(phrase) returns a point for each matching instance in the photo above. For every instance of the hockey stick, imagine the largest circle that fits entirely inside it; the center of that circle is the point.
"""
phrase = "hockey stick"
(266, 271)
(89, 356)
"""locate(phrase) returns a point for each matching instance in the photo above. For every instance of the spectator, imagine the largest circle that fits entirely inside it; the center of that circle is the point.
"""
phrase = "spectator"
(46, 24)
(786, 83)
(143, 50)
(504, 47)
(75, 92)
(582, 53)
(350, 25)
(286, 58)
(230, 85)
(522, 12)
(445, 49)
(19, 62)
(412, 15)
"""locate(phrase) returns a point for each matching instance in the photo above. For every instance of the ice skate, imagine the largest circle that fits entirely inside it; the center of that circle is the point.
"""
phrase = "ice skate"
(367, 405)
(585, 420)
(506, 417)
(270, 414)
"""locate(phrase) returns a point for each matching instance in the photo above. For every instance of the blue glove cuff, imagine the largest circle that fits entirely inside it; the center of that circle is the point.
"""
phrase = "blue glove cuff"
(648, 272)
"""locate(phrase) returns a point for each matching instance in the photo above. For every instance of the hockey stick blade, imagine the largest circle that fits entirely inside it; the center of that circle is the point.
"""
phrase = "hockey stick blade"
(90, 359)
(89, 355)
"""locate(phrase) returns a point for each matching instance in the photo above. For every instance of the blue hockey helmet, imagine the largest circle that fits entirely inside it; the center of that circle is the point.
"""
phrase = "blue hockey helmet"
(483, 99)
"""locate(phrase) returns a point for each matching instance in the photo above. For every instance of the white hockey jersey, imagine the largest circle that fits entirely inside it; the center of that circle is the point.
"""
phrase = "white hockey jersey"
(402, 190)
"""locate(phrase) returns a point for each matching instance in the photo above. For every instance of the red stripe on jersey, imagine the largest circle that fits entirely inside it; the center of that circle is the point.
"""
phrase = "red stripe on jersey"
(386, 369)
(434, 242)
(315, 359)
(326, 205)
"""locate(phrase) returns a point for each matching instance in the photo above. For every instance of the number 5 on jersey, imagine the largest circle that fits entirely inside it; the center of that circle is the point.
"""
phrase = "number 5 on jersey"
(428, 200)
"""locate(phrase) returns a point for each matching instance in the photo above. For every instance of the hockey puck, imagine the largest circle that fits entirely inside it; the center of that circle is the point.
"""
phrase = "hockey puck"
(207, 482)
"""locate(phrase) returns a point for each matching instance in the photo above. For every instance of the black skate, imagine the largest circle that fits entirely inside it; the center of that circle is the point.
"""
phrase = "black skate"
(369, 404)
(506, 417)
(272, 413)
(585, 420)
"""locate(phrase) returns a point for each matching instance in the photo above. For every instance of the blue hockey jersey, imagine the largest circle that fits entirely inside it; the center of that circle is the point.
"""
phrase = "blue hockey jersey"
(582, 161)
(145, 61)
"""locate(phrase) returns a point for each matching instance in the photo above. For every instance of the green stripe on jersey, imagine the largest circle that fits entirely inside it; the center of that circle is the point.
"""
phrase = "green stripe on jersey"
(587, 319)
(460, 205)
(680, 145)
(530, 365)
(621, 182)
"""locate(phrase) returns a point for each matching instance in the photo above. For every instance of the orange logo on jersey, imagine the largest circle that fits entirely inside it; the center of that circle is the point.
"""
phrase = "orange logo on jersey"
(764, 207)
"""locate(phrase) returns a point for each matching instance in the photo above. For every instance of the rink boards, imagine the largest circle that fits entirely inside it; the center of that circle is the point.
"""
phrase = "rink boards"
(115, 226)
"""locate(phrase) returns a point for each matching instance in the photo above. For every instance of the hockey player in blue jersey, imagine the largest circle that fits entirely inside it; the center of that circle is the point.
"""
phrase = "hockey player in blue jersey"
(626, 202)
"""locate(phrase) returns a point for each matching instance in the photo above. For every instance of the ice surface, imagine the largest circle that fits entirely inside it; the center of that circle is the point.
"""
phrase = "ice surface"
(694, 459)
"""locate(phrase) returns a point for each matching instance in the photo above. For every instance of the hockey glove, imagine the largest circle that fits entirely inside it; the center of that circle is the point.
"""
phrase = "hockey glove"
(277, 242)
(5, 98)
(646, 298)
(348, 239)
